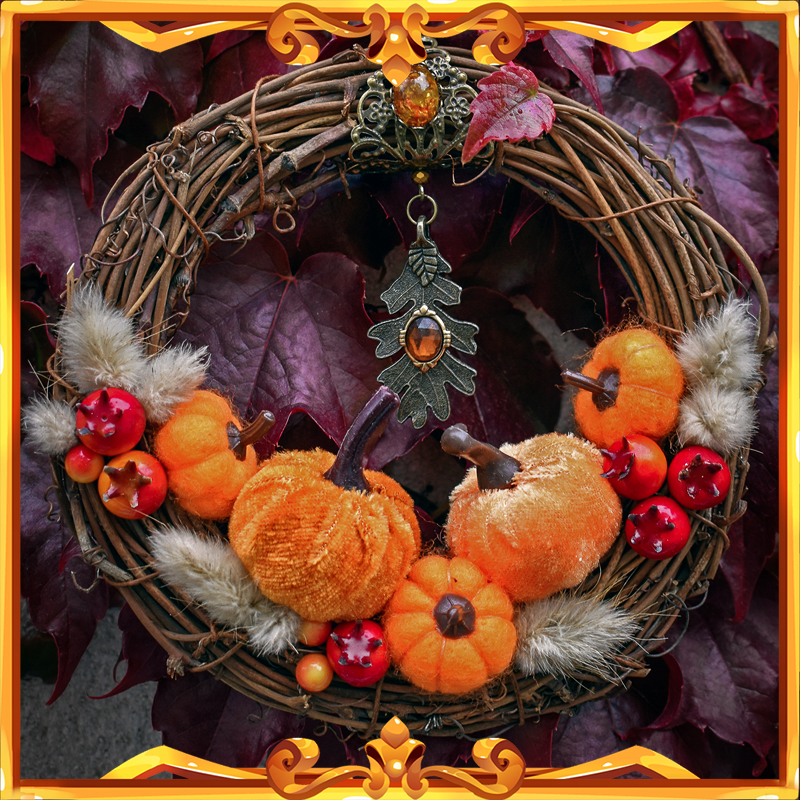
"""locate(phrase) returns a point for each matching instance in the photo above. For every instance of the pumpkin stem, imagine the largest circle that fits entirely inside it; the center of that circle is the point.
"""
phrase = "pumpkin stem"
(347, 471)
(252, 432)
(604, 388)
(454, 616)
(496, 469)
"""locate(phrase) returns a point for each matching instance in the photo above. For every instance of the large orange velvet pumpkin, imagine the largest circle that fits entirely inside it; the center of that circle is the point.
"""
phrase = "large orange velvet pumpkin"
(447, 628)
(632, 384)
(203, 448)
(320, 535)
(548, 529)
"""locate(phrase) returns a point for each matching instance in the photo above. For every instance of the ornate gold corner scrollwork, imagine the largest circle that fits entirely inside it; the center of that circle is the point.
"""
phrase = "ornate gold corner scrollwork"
(397, 758)
(395, 44)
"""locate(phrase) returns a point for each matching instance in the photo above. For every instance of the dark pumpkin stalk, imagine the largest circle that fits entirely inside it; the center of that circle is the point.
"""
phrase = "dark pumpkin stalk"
(604, 388)
(347, 471)
(252, 432)
(496, 469)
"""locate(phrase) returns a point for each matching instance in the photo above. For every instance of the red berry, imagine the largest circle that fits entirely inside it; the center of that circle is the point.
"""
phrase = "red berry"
(698, 478)
(83, 465)
(313, 672)
(635, 466)
(132, 485)
(314, 634)
(657, 528)
(110, 421)
(357, 652)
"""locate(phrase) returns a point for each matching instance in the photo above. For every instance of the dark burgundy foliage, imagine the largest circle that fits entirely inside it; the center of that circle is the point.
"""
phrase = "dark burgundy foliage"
(57, 606)
(83, 77)
(144, 656)
(207, 719)
(286, 321)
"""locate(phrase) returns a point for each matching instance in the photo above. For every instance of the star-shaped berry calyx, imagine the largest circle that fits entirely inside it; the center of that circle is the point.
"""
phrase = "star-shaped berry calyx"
(621, 461)
(654, 519)
(700, 475)
(125, 481)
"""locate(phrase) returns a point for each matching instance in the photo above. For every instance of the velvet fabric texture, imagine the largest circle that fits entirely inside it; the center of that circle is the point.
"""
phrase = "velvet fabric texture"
(549, 529)
(650, 388)
(432, 661)
(326, 552)
(204, 474)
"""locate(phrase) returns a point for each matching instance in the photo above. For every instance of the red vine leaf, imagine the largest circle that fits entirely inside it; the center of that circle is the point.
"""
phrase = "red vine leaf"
(752, 108)
(83, 76)
(576, 53)
(32, 141)
(509, 107)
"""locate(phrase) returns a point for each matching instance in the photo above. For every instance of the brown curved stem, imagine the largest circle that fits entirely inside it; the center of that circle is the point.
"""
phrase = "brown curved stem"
(604, 388)
(496, 469)
(252, 432)
(347, 471)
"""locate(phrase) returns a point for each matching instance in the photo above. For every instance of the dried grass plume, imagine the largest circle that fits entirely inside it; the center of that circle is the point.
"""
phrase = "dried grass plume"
(210, 573)
(50, 426)
(722, 419)
(722, 348)
(98, 344)
(567, 634)
(169, 379)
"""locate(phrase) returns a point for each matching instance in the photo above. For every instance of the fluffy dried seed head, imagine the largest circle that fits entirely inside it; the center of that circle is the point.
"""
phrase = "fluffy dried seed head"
(98, 344)
(50, 426)
(170, 378)
(722, 348)
(567, 634)
(722, 419)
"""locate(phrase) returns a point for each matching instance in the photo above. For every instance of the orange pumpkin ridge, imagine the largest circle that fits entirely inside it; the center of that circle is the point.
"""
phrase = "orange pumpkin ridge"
(328, 551)
(448, 630)
(204, 450)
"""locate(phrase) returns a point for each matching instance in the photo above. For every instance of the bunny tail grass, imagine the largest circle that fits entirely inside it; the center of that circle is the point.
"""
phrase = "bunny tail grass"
(50, 426)
(98, 344)
(722, 419)
(169, 379)
(721, 348)
(567, 634)
(211, 574)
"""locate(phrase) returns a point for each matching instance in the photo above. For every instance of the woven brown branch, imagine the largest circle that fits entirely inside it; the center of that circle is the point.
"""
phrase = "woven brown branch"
(268, 150)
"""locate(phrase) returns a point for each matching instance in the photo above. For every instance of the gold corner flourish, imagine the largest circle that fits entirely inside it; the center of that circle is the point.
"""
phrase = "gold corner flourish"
(396, 759)
(395, 44)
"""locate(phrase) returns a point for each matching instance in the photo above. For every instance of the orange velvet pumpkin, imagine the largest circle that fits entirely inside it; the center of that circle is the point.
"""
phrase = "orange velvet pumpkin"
(203, 448)
(447, 628)
(548, 529)
(632, 384)
(320, 535)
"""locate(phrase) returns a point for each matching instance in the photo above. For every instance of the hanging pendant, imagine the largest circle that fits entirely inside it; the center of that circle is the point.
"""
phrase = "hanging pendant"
(425, 332)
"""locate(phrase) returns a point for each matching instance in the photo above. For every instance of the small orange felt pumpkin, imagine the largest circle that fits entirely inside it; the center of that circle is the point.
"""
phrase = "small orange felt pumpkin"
(448, 629)
(322, 536)
(203, 448)
(536, 516)
(632, 384)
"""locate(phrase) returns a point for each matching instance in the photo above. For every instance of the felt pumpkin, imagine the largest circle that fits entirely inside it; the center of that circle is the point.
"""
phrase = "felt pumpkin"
(448, 629)
(541, 523)
(632, 384)
(203, 448)
(323, 536)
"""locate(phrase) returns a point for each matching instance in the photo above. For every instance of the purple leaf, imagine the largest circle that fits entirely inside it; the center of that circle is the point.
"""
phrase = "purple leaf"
(575, 52)
(692, 102)
(58, 227)
(236, 69)
(751, 109)
(32, 141)
(465, 213)
(737, 181)
(730, 669)
(534, 739)
(56, 605)
(758, 56)
(283, 342)
(207, 719)
(224, 41)
(509, 107)
(529, 205)
(674, 58)
(145, 657)
(84, 65)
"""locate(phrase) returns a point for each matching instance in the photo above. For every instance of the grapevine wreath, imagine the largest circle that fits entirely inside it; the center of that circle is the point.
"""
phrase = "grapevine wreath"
(267, 151)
